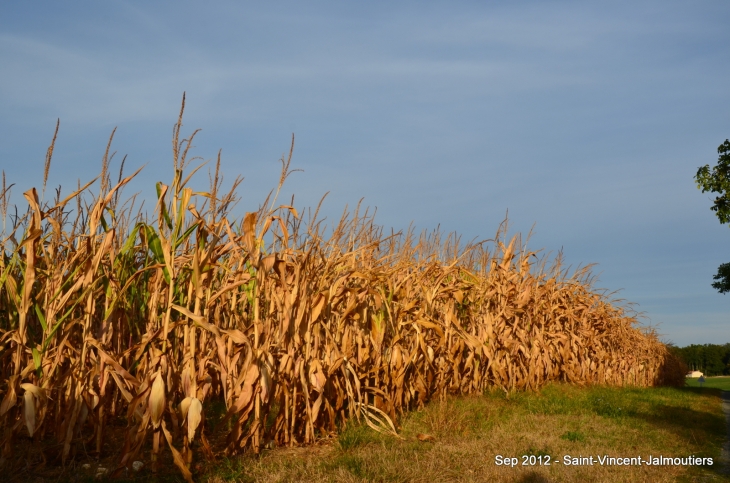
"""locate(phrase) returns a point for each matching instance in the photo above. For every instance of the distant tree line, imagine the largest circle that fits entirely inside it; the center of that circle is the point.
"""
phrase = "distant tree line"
(710, 359)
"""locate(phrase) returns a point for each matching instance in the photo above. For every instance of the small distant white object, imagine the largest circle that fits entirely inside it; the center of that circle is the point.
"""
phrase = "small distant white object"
(137, 465)
(695, 374)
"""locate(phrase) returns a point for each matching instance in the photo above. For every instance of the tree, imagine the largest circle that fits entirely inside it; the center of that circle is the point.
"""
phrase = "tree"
(723, 278)
(712, 359)
(718, 181)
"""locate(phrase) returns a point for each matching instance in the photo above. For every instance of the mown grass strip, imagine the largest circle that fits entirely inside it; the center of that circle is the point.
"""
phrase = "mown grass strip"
(469, 432)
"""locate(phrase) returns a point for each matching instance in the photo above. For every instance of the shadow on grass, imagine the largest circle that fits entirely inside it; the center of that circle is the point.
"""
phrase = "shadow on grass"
(684, 412)
(533, 477)
(701, 427)
(702, 391)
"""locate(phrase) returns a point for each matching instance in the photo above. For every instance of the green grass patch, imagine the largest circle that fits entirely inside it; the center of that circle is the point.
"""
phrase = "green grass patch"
(574, 436)
(357, 435)
(720, 382)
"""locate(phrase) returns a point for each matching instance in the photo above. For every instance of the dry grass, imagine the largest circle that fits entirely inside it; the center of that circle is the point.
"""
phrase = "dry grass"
(108, 313)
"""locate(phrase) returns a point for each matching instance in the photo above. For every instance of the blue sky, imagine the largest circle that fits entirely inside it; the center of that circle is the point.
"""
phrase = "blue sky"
(585, 120)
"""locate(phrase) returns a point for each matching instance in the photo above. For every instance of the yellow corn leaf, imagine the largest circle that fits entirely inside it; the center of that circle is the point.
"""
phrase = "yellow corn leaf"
(10, 397)
(316, 407)
(268, 262)
(244, 398)
(317, 377)
(244, 279)
(249, 232)
(431, 325)
(265, 381)
(177, 457)
(236, 336)
(38, 392)
(317, 307)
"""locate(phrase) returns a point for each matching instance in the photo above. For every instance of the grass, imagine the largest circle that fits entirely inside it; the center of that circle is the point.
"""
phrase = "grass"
(719, 382)
(468, 433)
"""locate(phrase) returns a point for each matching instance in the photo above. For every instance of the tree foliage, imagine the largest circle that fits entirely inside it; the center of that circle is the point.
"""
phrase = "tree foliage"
(722, 284)
(717, 180)
(711, 359)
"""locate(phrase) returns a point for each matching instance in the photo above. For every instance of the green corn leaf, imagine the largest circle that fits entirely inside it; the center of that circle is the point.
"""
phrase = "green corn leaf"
(9, 269)
(103, 223)
(185, 235)
(129, 242)
(153, 241)
(165, 214)
(41, 318)
(37, 362)
(111, 213)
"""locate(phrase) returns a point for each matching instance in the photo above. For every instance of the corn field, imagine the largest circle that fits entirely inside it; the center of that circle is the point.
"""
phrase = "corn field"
(107, 314)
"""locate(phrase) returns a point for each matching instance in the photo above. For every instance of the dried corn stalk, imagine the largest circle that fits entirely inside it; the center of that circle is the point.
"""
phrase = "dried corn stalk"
(111, 314)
